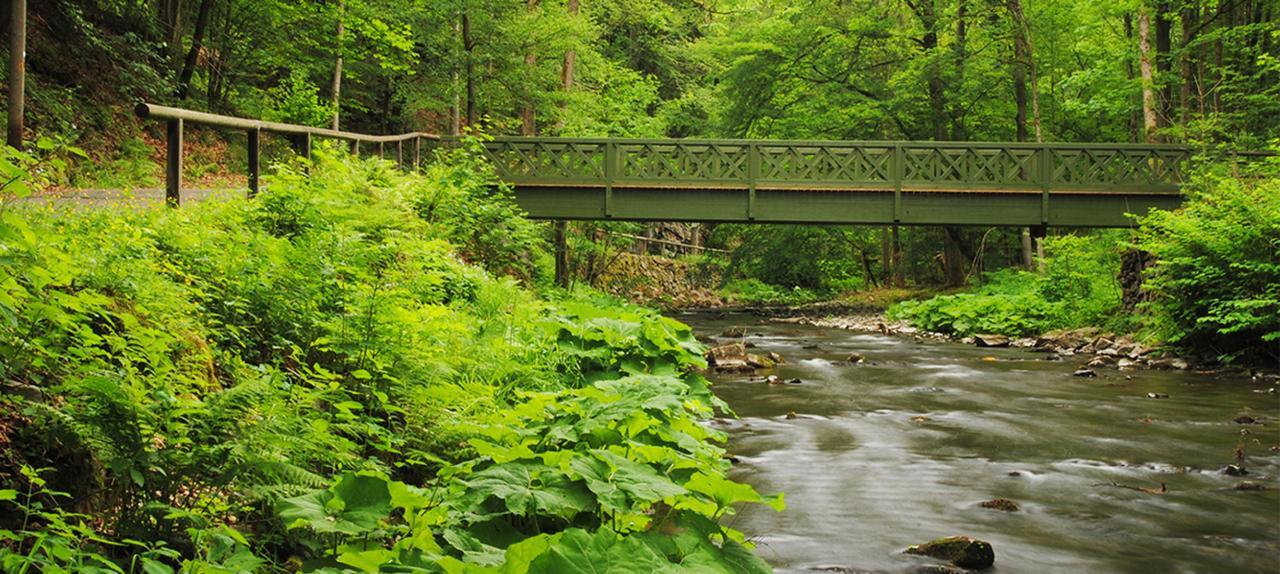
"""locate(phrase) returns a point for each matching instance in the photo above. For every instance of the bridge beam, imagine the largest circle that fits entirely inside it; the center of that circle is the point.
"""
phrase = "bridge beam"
(839, 207)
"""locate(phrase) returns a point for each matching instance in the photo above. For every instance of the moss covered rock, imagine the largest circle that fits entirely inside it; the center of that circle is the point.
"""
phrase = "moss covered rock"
(959, 550)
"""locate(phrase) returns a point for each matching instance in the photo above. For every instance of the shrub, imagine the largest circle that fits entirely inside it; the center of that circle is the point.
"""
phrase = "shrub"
(1217, 272)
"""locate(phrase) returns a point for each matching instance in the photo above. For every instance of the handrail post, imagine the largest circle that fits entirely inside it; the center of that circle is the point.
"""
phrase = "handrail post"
(173, 163)
(1046, 181)
(355, 148)
(382, 150)
(753, 175)
(610, 172)
(899, 173)
(417, 153)
(255, 161)
(400, 154)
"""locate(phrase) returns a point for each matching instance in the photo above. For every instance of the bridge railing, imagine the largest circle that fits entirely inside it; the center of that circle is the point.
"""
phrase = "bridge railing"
(176, 120)
(841, 166)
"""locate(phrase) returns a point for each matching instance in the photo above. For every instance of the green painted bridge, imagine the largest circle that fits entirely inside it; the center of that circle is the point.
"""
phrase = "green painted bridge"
(775, 181)
(840, 182)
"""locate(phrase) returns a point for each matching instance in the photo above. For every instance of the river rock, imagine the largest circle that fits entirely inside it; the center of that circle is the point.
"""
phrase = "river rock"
(1001, 504)
(776, 358)
(1088, 373)
(1099, 362)
(1173, 364)
(731, 358)
(1249, 487)
(1157, 395)
(991, 341)
(1245, 420)
(938, 569)
(773, 380)
(734, 333)
(757, 362)
(855, 359)
(1126, 364)
(962, 551)
(1234, 470)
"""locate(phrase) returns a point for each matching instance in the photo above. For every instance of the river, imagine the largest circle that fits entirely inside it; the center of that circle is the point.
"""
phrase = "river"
(903, 448)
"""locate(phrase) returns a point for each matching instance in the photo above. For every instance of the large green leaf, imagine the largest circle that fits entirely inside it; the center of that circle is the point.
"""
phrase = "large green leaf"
(353, 506)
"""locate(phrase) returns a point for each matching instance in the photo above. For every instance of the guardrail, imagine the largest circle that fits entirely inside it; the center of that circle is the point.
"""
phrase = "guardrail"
(301, 136)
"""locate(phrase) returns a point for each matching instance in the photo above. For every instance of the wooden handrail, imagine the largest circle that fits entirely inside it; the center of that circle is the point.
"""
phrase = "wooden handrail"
(177, 118)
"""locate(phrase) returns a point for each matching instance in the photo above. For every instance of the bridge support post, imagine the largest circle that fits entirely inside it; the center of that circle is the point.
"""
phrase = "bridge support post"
(173, 163)
(561, 247)
(255, 161)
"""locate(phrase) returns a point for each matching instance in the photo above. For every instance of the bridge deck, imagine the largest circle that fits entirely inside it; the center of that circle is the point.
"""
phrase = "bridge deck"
(921, 183)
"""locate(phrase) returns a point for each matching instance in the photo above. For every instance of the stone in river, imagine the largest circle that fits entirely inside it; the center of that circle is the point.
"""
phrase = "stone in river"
(1245, 420)
(991, 341)
(854, 358)
(962, 551)
(1249, 486)
(734, 333)
(1157, 395)
(795, 382)
(1084, 373)
(1234, 470)
(1001, 504)
(773, 380)
(731, 358)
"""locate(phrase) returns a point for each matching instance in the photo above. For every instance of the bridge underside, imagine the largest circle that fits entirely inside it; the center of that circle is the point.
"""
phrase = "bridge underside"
(878, 207)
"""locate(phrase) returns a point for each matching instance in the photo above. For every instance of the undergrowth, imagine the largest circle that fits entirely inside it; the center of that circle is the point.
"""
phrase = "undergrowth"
(348, 373)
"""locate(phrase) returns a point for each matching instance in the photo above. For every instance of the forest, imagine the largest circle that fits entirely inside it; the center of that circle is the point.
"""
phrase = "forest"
(368, 369)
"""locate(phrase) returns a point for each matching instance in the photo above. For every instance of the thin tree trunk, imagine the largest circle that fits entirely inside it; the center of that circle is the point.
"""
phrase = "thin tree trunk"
(193, 55)
(336, 87)
(17, 73)
(1150, 122)
(899, 279)
(961, 55)
(1164, 63)
(1189, 18)
(455, 110)
(528, 117)
(561, 244)
(469, 46)
(886, 255)
(1135, 115)
(567, 70)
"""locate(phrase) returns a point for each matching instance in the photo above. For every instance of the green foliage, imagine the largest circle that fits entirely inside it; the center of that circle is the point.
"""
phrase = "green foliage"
(1077, 288)
(757, 292)
(200, 369)
(1217, 272)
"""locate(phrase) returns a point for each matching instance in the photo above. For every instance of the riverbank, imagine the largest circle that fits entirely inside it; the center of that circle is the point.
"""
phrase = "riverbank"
(1102, 349)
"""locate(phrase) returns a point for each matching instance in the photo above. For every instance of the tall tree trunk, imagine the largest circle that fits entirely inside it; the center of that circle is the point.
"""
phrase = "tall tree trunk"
(193, 55)
(17, 95)
(1164, 61)
(171, 14)
(953, 261)
(886, 256)
(468, 45)
(899, 280)
(335, 89)
(961, 55)
(1024, 53)
(567, 70)
(1189, 19)
(1135, 114)
(528, 118)
(455, 109)
(1150, 121)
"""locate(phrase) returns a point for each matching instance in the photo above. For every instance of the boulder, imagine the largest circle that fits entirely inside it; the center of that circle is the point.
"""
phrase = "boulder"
(758, 362)
(1245, 420)
(731, 358)
(1171, 364)
(961, 551)
(1126, 364)
(1001, 504)
(991, 341)
(773, 380)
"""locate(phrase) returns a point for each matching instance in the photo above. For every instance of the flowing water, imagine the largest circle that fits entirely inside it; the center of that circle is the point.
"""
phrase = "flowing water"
(903, 448)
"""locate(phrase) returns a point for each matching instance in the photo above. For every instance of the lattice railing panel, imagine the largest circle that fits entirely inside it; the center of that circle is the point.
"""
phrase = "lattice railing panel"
(1137, 167)
(976, 165)
(682, 161)
(550, 160)
(826, 163)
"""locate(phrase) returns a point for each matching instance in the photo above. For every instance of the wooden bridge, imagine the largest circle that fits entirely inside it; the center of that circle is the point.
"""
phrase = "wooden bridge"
(773, 181)
(910, 183)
